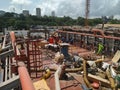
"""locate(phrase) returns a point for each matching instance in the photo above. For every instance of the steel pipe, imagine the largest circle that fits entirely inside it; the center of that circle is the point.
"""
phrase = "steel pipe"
(25, 79)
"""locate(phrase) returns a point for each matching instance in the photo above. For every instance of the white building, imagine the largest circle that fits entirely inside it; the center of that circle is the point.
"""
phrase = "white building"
(38, 12)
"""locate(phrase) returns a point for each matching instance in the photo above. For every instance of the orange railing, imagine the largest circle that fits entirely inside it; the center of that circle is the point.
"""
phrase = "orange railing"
(25, 79)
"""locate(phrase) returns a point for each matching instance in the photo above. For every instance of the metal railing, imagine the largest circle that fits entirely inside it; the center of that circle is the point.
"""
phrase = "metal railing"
(10, 84)
(7, 80)
(91, 40)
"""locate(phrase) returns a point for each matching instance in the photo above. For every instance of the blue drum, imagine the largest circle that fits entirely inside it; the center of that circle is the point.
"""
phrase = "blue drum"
(64, 49)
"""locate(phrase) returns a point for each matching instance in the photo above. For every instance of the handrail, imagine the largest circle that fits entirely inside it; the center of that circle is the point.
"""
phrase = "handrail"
(99, 36)
(4, 41)
(6, 54)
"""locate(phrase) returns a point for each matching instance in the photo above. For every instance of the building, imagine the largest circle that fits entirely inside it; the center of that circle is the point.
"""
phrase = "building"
(38, 12)
(25, 12)
(53, 13)
(2, 12)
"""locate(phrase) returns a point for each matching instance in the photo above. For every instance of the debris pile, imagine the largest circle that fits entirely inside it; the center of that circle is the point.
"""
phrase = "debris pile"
(97, 74)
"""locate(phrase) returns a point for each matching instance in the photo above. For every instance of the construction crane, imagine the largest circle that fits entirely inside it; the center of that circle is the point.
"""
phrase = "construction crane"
(87, 12)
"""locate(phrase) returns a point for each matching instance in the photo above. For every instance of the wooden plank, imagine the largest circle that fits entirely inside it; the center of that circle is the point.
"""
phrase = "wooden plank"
(41, 84)
(116, 57)
(104, 82)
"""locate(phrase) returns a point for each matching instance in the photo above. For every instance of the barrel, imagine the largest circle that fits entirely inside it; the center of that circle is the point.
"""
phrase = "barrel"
(64, 50)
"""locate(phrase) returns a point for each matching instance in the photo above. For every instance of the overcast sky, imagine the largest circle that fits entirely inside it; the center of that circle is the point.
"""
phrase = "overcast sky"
(72, 8)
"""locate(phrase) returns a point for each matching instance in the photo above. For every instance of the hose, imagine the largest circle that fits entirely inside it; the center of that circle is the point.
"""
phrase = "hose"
(47, 74)
(85, 74)
(112, 82)
(74, 69)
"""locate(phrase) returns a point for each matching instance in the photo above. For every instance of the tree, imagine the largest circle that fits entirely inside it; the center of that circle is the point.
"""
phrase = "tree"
(80, 21)
(22, 22)
(11, 22)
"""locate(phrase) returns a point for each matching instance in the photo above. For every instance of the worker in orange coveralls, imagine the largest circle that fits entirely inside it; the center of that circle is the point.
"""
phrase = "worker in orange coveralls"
(51, 40)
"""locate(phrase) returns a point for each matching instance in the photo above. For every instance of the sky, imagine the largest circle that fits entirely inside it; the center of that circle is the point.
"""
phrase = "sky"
(72, 8)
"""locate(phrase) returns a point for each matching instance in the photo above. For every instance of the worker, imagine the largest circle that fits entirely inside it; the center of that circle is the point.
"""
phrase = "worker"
(100, 48)
(63, 39)
(71, 40)
(54, 39)
(51, 40)
(53, 43)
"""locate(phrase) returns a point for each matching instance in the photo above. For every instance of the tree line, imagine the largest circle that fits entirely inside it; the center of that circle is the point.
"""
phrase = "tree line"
(26, 22)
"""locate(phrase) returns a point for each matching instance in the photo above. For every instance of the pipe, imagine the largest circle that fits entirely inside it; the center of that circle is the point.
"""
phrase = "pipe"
(12, 35)
(112, 82)
(74, 69)
(57, 74)
(25, 80)
(85, 74)
(99, 61)
(66, 70)
(86, 34)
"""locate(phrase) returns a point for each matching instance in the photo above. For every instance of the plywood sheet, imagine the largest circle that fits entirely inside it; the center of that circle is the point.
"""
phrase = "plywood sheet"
(116, 57)
(104, 82)
(41, 85)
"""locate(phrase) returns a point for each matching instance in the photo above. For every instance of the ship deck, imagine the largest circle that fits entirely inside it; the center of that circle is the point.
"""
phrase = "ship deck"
(40, 58)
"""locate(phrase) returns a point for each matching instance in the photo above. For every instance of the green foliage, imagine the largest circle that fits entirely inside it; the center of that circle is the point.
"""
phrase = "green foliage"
(21, 22)
(115, 21)
(80, 21)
